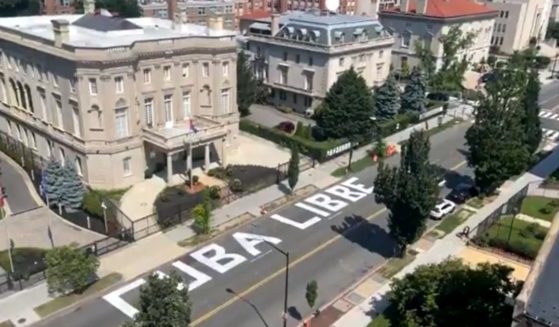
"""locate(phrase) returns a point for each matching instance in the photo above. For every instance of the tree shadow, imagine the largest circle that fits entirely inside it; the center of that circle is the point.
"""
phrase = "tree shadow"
(454, 179)
(294, 313)
(284, 188)
(368, 235)
(252, 305)
(379, 303)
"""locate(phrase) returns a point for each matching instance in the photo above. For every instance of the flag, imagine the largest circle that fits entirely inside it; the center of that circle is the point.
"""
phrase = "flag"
(192, 127)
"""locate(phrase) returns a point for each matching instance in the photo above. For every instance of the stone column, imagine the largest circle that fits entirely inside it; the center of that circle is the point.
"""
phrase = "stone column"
(189, 159)
(169, 167)
(207, 156)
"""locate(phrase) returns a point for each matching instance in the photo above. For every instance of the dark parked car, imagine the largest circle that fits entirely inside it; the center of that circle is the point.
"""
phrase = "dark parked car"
(488, 77)
(286, 126)
(462, 193)
(438, 96)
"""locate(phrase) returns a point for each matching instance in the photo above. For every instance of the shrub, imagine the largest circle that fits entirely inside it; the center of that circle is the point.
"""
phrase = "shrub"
(473, 95)
(542, 62)
(285, 109)
(215, 192)
(491, 60)
(195, 179)
(92, 204)
(220, 173)
(236, 186)
(148, 173)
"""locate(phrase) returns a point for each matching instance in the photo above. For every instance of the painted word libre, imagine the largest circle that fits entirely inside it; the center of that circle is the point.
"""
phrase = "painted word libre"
(320, 205)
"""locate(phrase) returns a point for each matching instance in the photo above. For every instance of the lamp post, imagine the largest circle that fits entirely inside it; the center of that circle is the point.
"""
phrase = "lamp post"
(515, 212)
(286, 291)
(554, 65)
(104, 206)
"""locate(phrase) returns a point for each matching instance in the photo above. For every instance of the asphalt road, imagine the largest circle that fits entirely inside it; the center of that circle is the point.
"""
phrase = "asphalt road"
(331, 251)
(549, 97)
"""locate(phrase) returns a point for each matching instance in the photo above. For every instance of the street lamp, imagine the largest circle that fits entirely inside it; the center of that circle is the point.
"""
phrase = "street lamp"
(286, 291)
(104, 206)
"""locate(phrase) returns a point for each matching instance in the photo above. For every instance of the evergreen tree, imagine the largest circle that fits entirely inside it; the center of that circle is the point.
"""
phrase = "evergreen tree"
(387, 99)
(497, 139)
(53, 183)
(532, 124)
(413, 98)
(311, 293)
(247, 85)
(409, 192)
(347, 108)
(293, 168)
(73, 189)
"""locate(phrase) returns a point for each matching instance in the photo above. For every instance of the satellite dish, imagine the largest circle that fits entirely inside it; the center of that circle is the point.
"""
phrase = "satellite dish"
(332, 5)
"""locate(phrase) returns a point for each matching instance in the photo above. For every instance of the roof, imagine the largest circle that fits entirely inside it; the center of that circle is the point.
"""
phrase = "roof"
(447, 8)
(260, 14)
(90, 31)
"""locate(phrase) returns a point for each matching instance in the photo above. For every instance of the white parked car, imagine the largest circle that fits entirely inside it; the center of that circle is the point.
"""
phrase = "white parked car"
(443, 208)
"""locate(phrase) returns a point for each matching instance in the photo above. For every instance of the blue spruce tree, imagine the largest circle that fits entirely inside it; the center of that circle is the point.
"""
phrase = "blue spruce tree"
(53, 183)
(413, 98)
(387, 99)
(74, 190)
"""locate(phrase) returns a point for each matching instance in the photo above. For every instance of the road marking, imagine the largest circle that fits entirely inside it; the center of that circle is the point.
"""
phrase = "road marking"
(297, 261)
(261, 256)
(335, 215)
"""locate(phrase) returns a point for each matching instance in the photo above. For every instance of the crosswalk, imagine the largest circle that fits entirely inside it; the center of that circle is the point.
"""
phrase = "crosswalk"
(550, 135)
(549, 115)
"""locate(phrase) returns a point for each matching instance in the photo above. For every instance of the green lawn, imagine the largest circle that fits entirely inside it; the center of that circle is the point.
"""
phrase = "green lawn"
(450, 223)
(379, 321)
(61, 302)
(525, 238)
(24, 259)
(394, 265)
(357, 165)
(540, 207)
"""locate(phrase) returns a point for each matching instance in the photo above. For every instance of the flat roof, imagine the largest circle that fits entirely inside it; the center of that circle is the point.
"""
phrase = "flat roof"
(98, 31)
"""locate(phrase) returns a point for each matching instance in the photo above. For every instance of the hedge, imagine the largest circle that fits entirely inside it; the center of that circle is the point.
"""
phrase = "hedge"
(391, 126)
(313, 149)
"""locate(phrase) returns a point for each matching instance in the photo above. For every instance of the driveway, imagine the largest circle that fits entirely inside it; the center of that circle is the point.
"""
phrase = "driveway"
(270, 116)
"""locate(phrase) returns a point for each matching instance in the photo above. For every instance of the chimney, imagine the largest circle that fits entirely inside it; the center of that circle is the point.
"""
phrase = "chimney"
(172, 10)
(421, 7)
(275, 24)
(404, 6)
(61, 30)
(89, 7)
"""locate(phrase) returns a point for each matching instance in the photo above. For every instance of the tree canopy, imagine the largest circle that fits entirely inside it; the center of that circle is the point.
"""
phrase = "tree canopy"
(12, 8)
(293, 168)
(409, 192)
(69, 269)
(247, 85)
(347, 108)
(452, 293)
(531, 121)
(387, 99)
(413, 98)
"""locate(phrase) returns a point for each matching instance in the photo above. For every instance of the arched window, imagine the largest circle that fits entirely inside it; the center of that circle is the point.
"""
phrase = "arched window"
(121, 119)
(3, 94)
(14, 94)
(22, 99)
(206, 99)
(29, 101)
(95, 117)
(79, 168)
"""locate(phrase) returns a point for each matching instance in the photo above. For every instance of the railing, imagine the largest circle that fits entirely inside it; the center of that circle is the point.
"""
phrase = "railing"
(175, 141)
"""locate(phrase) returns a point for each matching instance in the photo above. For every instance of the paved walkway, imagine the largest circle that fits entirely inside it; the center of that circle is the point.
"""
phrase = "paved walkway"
(361, 314)
(162, 247)
(530, 219)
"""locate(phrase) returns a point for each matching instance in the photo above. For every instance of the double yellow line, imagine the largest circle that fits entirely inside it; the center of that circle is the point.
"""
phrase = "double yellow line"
(302, 258)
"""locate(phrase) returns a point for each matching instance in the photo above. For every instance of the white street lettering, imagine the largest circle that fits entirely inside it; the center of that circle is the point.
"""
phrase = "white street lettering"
(296, 224)
(359, 187)
(162, 275)
(213, 256)
(116, 300)
(346, 193)
(250, 241)
(312, 209)
(326, 202)
(199, 277)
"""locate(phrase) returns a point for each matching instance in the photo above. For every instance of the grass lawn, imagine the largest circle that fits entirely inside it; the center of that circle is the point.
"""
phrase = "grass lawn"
(357, 165)
(61, 302)
(540, 207)
(394, 265)
(26, 260)
(115, 194)
(7, 323)
(525, 238)
(451, 222)
(379, 321)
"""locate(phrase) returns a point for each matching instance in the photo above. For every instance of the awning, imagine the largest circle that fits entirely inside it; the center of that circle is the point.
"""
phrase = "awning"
(316, 33)
(290, 29)
(303, 31)
(338, 34)
(358, 31)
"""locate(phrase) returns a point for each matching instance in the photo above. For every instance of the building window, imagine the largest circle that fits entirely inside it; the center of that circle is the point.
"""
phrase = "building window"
(308, 101)
(43, 104)
(92, 86)
(119, 84)
(501, 41)
(504, 28)
(186, 105)
(148, 107)
(427, 42)
(225, 68)
(406, 39)
(95, 117)
(58, 113)
(49, 149)
(185, 70)
(18, 132)
(311, 61)
(341, 61)
(167, 73)
(10, 128)
(121, 122)
(76, 120)
(205, 69)
(79, 169)
(283, 95)
(62, 156)
(73, 85)
(127, 170)
(294, 98)
(168, 106)
(33, 141)
(55, 80)
(147, 76)
(283, 75)
(297, 58)
(379, 72)
(308, 81)
(507, 14)
(285, 56)
(225, 101)
(201, 11)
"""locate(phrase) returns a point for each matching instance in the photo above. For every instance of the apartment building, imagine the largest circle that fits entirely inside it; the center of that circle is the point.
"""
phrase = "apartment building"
(114, 96)
(299, 55)
(425, 21)
(58, 7)
(518, 23)
(197, 11)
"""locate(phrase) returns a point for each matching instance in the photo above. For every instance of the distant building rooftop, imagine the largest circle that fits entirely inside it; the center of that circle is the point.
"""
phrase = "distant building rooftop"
(446, 8)
(99, 31)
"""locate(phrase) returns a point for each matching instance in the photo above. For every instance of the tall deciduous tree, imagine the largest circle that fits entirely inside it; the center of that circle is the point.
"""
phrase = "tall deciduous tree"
(387, 99)
(409, 191)
(247, 85)
(293, 168)
(11, 8)
(453, 294)
(532, 124)
(413, 98)
(53, 183)
(69, 269)
(73, 189)
(497, 139)
(164, 302)
(347, 108)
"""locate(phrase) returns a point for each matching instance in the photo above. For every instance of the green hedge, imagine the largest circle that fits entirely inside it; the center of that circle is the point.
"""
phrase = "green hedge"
(390, 127)
(313, 149)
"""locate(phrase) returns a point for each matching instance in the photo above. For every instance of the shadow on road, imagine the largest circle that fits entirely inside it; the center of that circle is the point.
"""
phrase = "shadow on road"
(294, 313)
(368, 235)
(252, 305)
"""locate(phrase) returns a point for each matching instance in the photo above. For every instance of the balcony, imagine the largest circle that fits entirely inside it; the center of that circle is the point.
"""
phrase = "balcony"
(202, 130)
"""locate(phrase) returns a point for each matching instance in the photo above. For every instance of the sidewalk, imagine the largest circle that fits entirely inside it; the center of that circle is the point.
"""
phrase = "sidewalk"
(162, 247)
(360, 315)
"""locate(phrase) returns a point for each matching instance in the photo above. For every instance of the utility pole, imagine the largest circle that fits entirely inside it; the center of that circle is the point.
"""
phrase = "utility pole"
(286, 290)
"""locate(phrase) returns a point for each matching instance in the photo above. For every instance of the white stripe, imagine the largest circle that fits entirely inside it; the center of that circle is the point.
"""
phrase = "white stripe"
(115, 299)
(547, 114)
(554, 116)
(542, 113)
(548, 133)
(554, 135)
